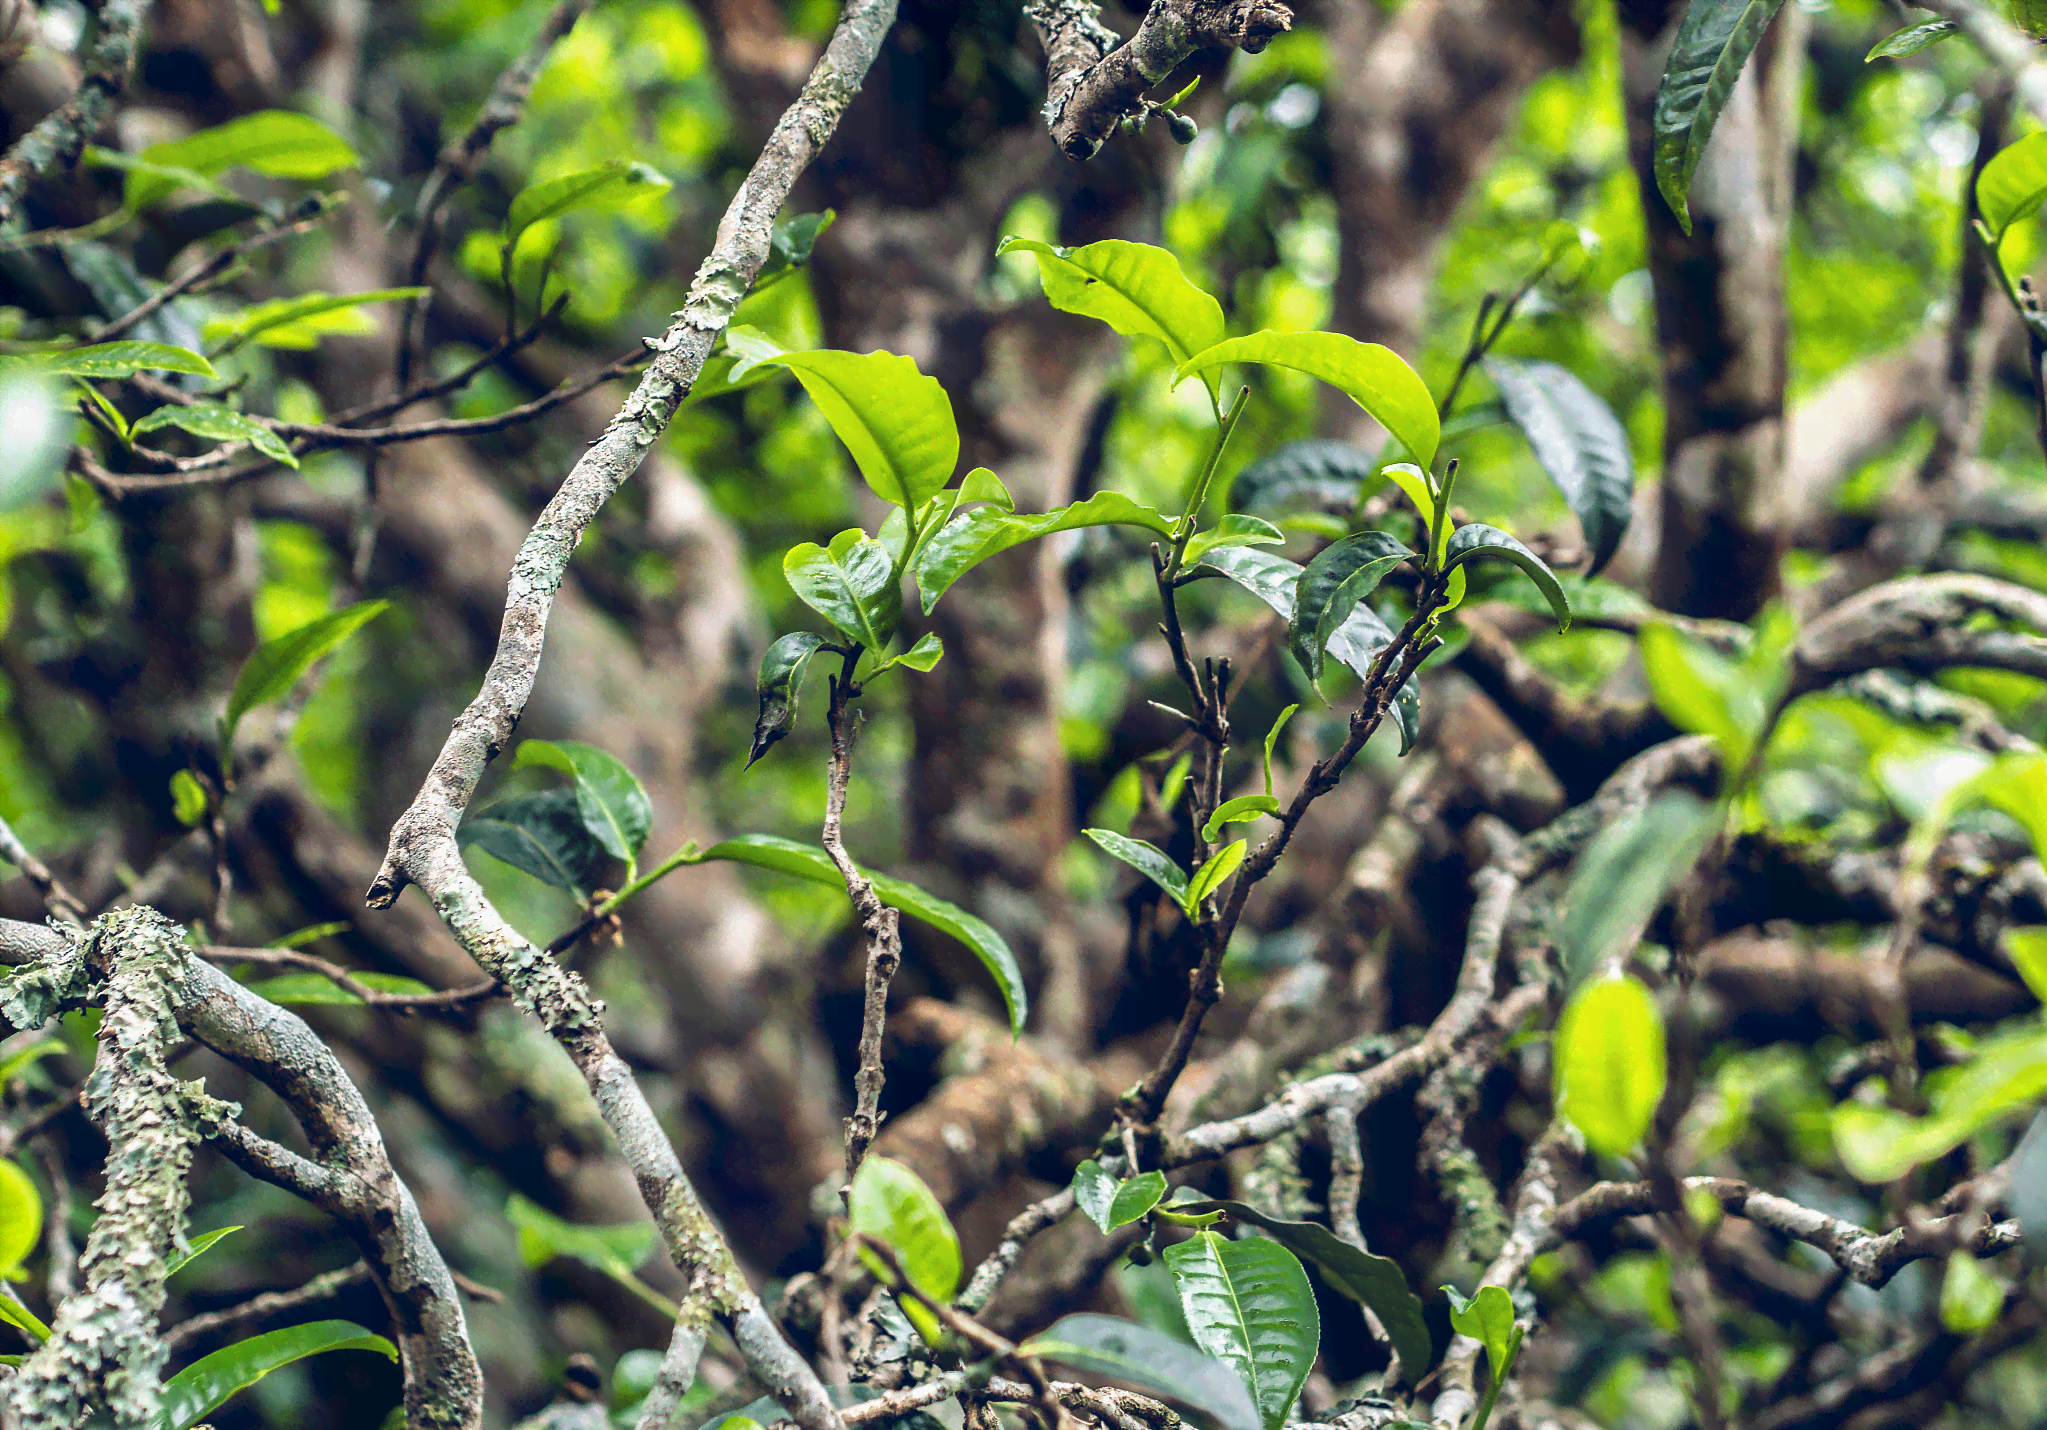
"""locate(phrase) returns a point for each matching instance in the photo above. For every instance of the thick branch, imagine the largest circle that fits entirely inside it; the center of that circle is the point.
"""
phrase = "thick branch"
(60, 137)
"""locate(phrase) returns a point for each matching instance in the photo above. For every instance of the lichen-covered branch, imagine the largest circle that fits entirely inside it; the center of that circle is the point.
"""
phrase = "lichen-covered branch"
(59, 137)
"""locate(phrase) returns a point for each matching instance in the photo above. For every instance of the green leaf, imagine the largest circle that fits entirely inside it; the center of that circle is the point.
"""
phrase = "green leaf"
(1136, 1196)
(203, 1386)
(1272, 741)
(1374, 1281)
(1578, 441)
(188, 799)
(110, 360)
(172, 176)
(1269, 577)
(1312, 475)
(1209, 877)
(851, 583)
(305, 987)
(781, 677)
(1094, 1192)
(926, 653)
(273, 141)
(542, 834)
(219, 424)
(277, 664)
(1623, 876)
(609, 796)
(1476, 539)
(1248, 1304)
(1357, 643)
(1702, 691)
(2013, 184)
(1713, 42)
(198, 1247)
(807, 861)
(891, 1203)
(18, 1061)
(610, 185)
(1153, 1361)
(972, 537)
(1330, 588)
(1610, 1063)
(1135, 288)
(790, 243)
(1376, 378)
(1147, 859)
(1236, 529)
(1971, 1297)
(2027, 947)
(616, 1250)
(897, 423)
(311, 933)
(299, 323)
(2006, 1076)
(24, 1320)
(1418, 487)
(1243, 808)
(1911, 40)
(21, 1215)
(1487, 1318)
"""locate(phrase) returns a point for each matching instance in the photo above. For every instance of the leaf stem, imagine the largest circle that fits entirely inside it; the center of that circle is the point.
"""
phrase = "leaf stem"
(1183, 530)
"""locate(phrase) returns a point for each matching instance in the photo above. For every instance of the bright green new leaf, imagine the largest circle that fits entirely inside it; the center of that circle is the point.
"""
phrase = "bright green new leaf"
(2005, 1077)
(1623, 876)
(1702, 691)
(299, 323)
(188, 799)
(171, 176)
(1236, 529)
(609, 796)
(1476, 539)
(1971, 1297)
(781, 677)
(218, 424)
(1331, 586)
(1376, 377)
(610, 185)
(198, 1247)
(1135, 288)
(2013, 184)
(1209, 877)
(1487, 1318)
(1147, 859)
(897, 423)
(276, 142)
(1610, 1063)
(209, 1382)
(277, 664)
(1243, 808)
(2027, 947)
(110, 360)
(1416, 485)
(1151, 1360)
(311, 933)
(892, 1204)
(21, 1216)
(1911, 40)
(305, 987)
(851, 583)
(974, 536)
(1713, 42)
(1578, 441)
(807, 861)
(17, 1062)
(1272, 741)
(1248, 1303)
(616, 1250)
(926, 653)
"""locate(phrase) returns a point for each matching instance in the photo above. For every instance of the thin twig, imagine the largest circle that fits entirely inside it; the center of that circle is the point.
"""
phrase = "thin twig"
(325, 1286)
(346, 981)
(213, 267)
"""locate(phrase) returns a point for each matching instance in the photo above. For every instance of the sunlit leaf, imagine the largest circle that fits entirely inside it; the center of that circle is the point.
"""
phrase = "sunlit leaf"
(202, 1387)
(21, 1215)
(1248, 1303)
(1610, 1063)
(109, 360)
(276, 665)
(897, 423)
(299, 322)
(972, 537)
(1911, 40)
(612, 184)
(2013, 184)
(218, 424)
(276, 142)
(1209, 877)
(1376, 377)
(891, 1203)
(1243, 808)
(1136, 288)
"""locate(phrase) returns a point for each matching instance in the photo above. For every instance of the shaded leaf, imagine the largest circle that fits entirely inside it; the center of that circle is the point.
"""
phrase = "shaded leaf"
(1153, 1362)
(1356, 644)
(18, 1061)
(1312, 475)
(1702, 691)
(276, 665)
(1971, 1297)
(1713, 42)
(1375, 377)
(1147, 859)
(781, 677)
(1610, 1063)
(897, 423)
(110, 360)
(1269, 577)
(891, 1203)
(303, 986)
(807, 861)
(1475, 539)
(1578, 441)
(276, 142)
(616, 1250)
(790, 243)
(2028, 1195)
(298, 323)
(974, 536)
(1623, 876)
(198, 1247)
(1487, 1318)
(1911, 40)
(609, 796)
(1331, 586)
(851, 583)
(1094, 1192)
(1248, 1304)
(202, 1387)
(21, 1215)
(219, 424)
(541, 834)
(611, 184)
(1136, 1196)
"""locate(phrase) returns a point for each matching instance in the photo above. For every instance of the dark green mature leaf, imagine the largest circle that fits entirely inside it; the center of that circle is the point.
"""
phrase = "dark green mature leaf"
(1249, 1304)
(1137, 289)
(276, 142)
(1330, 587)
(1152, 1361)
(1623, 876)
(540, 834)
(1487, 1318)
(107, 360)
(1476, 539)
(218, 424)
(1713, 42)
(2028, 1193)
(1094, 1192)
(1147, 859)
(208, 1383)
(897, 423)
(1209, 877)
(609, 185)
(617, 1249)
(1578, 441)
(790, 243)
(1374, 1281)
(1356, 644)
(781, 677)
(277, 664)
(1312, 475)
(1376, 377)
(974, 536)
(1610, 1063)
(21, 1215)
(851, 583)
(298, 323)
(1911, 40)
(1135, 1197)
(1269, 577)
(2013, 184)
(807, 861)
(609, 796)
